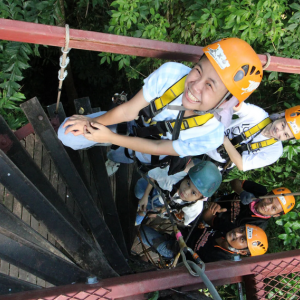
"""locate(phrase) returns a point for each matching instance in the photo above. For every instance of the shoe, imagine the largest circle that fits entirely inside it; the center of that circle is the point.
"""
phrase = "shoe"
(111, 167)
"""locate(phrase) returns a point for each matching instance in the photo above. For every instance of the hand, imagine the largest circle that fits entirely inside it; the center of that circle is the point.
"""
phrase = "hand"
(97, 133)
(76, 123)
(246, 197)
(215, 208)
(143, 203)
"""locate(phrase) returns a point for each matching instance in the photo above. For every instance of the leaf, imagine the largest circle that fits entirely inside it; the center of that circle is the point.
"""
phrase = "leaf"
(282, 236)
(291, 27)
(295, 6)
(152, 12)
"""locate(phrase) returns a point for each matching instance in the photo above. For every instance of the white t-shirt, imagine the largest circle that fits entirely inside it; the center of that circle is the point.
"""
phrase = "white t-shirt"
(191, 142)
(166, 182)
(248, 116)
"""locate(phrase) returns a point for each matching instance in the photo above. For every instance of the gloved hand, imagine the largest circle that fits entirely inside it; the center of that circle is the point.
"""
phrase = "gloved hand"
(246, 197)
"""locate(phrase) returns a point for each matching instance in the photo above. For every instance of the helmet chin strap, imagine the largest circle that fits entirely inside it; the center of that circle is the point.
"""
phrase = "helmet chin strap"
(201, 112)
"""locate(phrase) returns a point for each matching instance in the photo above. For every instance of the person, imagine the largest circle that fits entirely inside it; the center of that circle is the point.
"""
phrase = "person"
(253, 140)
(211, 243)
(251, 209)
(200, 94)
(186, 190)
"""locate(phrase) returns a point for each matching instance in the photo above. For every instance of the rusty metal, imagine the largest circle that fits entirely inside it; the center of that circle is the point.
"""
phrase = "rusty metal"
(26, 32)
(5, 143)
(24, 131)
(135, 284)
(276, 279)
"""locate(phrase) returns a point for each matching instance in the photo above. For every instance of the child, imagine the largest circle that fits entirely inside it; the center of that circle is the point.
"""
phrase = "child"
(204, 90)
(248, 211)
(186, 192)
(261, 148)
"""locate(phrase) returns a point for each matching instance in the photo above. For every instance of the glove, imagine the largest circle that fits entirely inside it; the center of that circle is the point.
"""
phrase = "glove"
(246, 197)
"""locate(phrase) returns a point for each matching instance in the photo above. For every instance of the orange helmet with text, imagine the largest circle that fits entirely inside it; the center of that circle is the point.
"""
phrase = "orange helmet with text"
(237, 64)
(292, 117)
(287, 202)
(256, 239)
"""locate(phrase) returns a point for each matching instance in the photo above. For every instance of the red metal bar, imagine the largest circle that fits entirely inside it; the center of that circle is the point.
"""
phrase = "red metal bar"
(141, 283)
(55, 36)
(24, 131)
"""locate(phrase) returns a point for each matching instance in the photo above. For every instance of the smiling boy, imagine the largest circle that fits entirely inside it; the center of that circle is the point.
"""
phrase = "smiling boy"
(201, 92)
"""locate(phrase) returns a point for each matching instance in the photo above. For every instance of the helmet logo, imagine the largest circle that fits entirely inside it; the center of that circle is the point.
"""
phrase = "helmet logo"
(219, 57)
(294, 126)
(249, 233)
(253, 85)
(282, 199)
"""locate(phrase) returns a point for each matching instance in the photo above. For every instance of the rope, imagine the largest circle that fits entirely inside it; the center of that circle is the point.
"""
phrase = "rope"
(63, 62)
(182, 245)
(268, 61)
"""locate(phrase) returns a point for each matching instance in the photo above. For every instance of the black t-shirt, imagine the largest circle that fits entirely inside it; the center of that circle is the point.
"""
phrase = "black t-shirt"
(203, 242)
(238, 214)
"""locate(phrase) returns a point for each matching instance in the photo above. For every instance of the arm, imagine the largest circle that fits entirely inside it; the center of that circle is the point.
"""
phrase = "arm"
(144, 200)
(208, 214)
(234, 155)
(102, 134)
(127, 111)
(236, 185)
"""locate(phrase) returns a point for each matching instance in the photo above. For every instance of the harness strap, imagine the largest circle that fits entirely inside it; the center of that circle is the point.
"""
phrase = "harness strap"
(252, 131)
(169, 95)
(255, 146)
(162, 127)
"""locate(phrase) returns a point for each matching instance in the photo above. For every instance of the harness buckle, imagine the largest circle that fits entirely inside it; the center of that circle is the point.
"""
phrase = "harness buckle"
(168, 127)
(164, 164)
(153, 108)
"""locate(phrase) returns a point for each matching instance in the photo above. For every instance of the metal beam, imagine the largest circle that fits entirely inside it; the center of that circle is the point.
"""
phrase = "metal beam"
(26, 32)
(102, 182)
(37, 261)
(67, 170)
(89, 258)
(11, 285)
(135, 284)
(51, 210)
(12, 223)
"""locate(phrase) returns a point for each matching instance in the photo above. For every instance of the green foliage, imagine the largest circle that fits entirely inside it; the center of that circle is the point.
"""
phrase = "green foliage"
(284, 286)
(14, 57)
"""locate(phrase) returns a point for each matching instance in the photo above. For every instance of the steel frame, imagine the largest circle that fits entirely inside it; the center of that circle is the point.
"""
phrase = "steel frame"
(136, 284)
(26, 32)
(102, 183)
(67, 170)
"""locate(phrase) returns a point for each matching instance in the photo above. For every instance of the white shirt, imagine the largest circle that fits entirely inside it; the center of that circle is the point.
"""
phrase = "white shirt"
(166, 182)
(194, 141)
(248, 116)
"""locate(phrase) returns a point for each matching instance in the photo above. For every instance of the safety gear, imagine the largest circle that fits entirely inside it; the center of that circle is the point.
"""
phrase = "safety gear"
(287, 202)
(293, 120)
(246, 197)
(256, 239)
(237, 64)
(248, 146)
(206, 177)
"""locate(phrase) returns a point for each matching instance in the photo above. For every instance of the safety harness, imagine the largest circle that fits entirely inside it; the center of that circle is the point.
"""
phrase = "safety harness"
(161, 128)
(248, 146)
(157, 129)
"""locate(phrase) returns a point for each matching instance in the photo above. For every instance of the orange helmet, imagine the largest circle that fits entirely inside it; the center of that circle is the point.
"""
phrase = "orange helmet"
(237, 64)
(256, 239)
(293, 120)
(287, 202)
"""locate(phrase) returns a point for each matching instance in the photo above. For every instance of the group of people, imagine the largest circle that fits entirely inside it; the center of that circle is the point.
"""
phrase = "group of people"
(182, 114)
